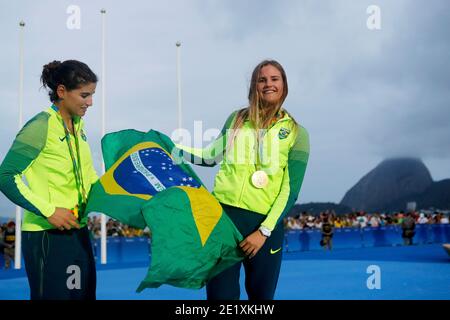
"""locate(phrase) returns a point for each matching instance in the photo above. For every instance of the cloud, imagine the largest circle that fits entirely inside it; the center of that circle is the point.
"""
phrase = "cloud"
(402, 82)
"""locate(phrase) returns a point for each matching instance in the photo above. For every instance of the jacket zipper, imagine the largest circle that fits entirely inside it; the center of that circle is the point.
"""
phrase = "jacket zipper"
(247, 175)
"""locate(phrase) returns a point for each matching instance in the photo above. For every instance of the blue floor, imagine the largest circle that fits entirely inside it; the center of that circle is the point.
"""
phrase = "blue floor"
(416, 272)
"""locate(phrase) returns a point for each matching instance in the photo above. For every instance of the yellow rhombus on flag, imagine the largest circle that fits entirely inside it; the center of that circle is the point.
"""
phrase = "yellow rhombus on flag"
(192, 237)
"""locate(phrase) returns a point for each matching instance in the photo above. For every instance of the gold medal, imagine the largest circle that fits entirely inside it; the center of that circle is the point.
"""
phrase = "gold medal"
(260, 179)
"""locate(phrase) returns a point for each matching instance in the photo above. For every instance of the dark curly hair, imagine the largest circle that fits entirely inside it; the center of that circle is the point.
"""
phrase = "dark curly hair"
(70, 73)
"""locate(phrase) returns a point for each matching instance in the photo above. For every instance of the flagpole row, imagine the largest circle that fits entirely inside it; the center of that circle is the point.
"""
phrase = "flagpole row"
(103, 248)
(18, 239)
(178, 44)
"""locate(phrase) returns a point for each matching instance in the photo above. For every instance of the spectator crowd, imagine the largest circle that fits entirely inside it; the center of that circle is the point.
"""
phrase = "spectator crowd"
(361, 219)
(303, 220)
(115, 229)
(325, 221)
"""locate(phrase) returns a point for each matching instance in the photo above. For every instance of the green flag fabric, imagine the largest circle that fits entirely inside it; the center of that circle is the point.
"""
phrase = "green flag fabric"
(192, 237)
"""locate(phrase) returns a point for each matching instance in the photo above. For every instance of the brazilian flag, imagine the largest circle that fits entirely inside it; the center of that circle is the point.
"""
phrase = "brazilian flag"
(145, 185)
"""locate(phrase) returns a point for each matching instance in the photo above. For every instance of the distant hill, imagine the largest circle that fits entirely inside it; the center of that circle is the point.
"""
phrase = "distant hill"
(437, 196)
(394, 183)
(317, 207)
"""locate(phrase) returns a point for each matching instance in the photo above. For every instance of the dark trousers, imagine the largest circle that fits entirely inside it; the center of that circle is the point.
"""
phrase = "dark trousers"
(261, 271)
(60, 265)
(408, 235)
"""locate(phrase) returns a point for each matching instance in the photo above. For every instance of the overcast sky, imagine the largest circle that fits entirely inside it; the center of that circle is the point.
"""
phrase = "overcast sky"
(363, 95)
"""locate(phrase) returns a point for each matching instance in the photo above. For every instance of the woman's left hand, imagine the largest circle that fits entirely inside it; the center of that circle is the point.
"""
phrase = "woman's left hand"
(253, 243)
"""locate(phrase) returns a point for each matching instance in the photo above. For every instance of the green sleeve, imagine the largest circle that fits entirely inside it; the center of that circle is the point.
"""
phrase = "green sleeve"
(212, 154)
(27, 146)
(294, 173)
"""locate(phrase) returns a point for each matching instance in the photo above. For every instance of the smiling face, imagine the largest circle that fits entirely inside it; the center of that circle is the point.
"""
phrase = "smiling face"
(76, 102)
(270, 85)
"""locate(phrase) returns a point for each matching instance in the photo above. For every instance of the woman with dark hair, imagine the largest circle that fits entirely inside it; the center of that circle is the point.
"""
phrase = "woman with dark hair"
(52, 152)
(264, 153)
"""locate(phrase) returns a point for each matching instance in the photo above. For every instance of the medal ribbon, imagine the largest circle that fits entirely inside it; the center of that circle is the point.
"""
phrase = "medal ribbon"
(76, 166)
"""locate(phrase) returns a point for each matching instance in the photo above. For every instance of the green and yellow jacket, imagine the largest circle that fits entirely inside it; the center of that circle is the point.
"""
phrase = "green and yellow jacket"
(284, 153)
(40, 153)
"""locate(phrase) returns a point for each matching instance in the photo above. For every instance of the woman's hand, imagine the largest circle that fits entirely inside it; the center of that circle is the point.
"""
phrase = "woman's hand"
(63, 218)
(253, 243)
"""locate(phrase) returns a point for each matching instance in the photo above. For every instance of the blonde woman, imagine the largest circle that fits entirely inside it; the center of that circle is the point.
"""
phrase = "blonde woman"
(265, 153)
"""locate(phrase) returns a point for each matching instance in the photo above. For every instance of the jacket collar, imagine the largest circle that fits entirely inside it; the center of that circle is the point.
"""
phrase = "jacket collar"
(55, 109)
(77, 121)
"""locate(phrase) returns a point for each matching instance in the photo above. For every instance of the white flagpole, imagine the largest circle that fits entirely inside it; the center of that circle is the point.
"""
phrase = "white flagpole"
(178, 44)
(18, 240)
(103, 217)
